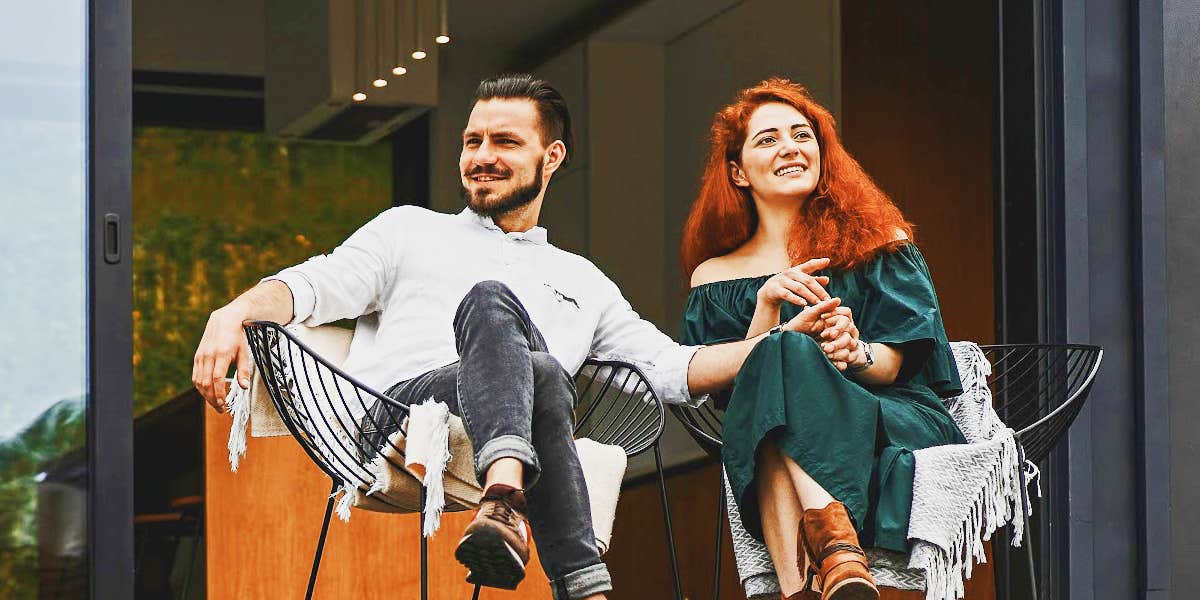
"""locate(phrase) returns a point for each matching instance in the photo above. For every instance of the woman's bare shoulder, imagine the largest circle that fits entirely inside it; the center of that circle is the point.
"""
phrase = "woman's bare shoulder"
(717, 268)
(738, 264)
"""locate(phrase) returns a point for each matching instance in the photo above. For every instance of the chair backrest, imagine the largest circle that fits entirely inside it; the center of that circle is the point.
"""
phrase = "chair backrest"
(703, 423)
(318, 402)
(618, 406)
(1038, 389)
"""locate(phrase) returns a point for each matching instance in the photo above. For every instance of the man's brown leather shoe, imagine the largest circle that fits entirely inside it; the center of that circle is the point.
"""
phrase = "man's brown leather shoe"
(839, 564)
(495, 546)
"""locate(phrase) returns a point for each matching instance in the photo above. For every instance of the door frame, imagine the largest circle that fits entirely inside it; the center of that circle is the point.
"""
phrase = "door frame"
(110, 300)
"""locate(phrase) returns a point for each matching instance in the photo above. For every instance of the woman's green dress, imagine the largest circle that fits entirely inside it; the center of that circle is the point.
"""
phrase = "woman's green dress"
(856, 441)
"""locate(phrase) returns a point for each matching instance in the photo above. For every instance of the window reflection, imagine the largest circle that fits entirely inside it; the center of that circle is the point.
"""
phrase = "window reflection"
(43, 460)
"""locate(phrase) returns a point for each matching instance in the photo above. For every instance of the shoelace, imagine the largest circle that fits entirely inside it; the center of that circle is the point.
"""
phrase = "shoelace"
(501, 511)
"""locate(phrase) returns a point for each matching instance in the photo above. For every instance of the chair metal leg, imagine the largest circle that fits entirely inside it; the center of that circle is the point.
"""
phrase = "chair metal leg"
(662, 489)
(475, 596)
(1026, 508)
(424, 549)
(312, 578)
(720, 531)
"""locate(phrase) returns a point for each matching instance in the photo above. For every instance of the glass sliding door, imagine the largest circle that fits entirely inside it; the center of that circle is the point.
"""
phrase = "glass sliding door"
(63, 533)
(43, 326)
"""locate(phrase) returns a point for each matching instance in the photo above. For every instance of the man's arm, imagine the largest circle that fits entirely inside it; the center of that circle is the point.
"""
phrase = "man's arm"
(343, 284)
(224, 342)
(682, 374)
(713, 368)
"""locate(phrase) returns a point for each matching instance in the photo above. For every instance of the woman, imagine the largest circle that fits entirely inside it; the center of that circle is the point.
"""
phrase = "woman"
(824, 415)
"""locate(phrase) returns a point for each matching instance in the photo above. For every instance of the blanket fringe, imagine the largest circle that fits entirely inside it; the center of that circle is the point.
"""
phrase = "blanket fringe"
(346, 501)
(238, 401)
(996, 504)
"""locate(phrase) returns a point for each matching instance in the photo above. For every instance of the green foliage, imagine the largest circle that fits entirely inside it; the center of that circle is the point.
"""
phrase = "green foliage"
(57, 431)
(214, 212)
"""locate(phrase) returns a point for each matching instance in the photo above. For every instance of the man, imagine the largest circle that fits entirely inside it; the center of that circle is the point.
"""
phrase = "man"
(479, 311)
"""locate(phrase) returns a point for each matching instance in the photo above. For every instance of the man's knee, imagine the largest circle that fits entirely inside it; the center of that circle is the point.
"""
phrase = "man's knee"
(487, 290)
(553, 389)
(484, 299)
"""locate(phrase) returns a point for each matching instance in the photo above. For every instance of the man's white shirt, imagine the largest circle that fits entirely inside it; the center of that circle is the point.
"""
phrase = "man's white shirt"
(405, 272)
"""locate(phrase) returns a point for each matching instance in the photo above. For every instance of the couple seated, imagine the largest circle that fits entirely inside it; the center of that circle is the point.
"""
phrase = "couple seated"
(830, 368)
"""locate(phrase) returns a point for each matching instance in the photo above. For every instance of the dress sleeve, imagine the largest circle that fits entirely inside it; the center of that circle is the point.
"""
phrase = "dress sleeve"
(900, 308)
(713, 313)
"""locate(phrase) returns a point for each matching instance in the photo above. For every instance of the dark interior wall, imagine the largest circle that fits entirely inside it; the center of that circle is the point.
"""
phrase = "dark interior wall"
(705, 67)
(917, 112)
(1181, 20)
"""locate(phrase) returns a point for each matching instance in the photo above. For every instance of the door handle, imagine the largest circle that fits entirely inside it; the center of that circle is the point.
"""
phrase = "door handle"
(112, 238)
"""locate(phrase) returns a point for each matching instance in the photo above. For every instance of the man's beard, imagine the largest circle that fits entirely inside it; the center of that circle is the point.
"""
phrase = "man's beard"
(493, 206)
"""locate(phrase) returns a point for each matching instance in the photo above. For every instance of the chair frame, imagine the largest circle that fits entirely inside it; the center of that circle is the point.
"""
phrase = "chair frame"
(1043, 432)
(635, 431)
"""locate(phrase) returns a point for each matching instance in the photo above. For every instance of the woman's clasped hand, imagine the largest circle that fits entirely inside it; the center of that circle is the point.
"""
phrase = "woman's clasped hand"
(823, 318)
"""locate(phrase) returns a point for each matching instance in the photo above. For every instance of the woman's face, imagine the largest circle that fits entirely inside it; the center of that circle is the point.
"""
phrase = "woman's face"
(780, 157)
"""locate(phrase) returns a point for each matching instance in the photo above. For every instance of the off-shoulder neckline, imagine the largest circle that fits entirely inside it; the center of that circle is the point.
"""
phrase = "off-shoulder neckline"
(696, 287)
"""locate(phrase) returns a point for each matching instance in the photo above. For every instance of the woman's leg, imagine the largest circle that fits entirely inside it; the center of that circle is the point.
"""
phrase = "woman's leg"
(780, 510)
(811, 494)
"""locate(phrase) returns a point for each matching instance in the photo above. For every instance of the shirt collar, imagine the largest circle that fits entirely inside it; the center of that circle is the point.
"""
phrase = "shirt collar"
(537, 234)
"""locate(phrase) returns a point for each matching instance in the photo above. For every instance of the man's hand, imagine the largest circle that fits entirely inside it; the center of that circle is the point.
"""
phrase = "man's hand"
(224, 343)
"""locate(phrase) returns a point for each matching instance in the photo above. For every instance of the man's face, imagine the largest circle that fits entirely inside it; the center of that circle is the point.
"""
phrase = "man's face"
(502, 156)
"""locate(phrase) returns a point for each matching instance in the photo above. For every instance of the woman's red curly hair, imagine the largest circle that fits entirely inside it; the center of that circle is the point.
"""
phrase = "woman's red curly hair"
(847, 217)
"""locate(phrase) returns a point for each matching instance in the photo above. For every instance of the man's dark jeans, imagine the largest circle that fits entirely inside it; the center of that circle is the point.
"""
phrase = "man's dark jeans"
(516, 401)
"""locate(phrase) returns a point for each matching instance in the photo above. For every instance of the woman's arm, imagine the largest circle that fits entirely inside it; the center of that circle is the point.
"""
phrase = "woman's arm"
(841, 343)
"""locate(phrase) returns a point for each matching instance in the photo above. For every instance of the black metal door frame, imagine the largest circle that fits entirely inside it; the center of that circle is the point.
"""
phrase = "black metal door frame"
(110, 300)
(1080, 230)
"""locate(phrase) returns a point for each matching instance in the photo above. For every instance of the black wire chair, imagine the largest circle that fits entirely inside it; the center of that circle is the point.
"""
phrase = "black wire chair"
(618, 406)
(1037, 390)
(316, 399)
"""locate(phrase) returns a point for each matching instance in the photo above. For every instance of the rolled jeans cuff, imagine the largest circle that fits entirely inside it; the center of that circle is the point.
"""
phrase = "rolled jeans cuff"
(582, 583)
(508, 446)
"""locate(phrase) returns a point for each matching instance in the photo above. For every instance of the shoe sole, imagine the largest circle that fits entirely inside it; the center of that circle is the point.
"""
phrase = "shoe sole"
(854, 589)
(491, 562)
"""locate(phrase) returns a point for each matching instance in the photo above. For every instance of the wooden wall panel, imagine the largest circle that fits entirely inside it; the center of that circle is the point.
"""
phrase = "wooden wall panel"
(917, 112)
(263, 522)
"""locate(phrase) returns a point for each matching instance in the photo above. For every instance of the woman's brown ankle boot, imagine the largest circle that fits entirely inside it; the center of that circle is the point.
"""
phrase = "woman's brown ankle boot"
(838, 563)
(805, 594)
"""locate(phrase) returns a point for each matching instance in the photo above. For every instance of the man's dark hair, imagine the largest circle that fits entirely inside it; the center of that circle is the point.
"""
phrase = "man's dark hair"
(554, 121)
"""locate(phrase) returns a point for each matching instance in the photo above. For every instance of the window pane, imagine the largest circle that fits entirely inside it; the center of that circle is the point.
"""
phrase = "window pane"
(43, 142)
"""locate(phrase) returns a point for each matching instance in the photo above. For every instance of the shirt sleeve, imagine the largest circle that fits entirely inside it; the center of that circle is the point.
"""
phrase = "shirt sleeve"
(623, 335)
(348, 282)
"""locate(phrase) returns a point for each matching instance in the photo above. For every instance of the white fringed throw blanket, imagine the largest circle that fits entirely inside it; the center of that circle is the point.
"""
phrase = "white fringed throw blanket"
(962, 494)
